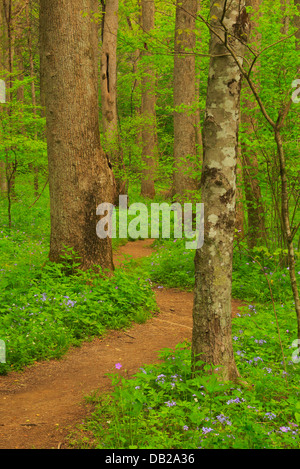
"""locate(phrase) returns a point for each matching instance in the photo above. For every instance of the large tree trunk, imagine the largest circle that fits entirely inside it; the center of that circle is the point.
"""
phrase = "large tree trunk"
(80, 177)
(113, 145)
(211, 341)
(185, 121)
(149, 140)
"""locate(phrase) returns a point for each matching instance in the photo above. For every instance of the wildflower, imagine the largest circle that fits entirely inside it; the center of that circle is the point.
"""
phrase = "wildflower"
(170, 403)
(284, 429)
(257, 358)
(223, 419)
(270, 415)
(71, 303)
(206, 430)
(160, 378)
(237, 400)
(118, 366)
(185, 427)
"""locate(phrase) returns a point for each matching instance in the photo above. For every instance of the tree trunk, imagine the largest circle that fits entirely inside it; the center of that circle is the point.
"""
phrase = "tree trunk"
(113, 145)
(149, 140)
(8, 61)
(285, 212)
(185, 121)
(255, 209)
(35, 167)
(239, 211)
(3, 179)
(80, 176)
(211, 341)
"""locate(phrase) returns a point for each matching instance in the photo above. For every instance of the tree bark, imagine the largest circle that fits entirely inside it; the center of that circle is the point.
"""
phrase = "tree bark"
(255, 208)
(3, 63)
(185, 117)
(149, 139)
(112, 140)
(211, 340)
(35, 167)
(10, 163)
(285, 212)
(80, 176)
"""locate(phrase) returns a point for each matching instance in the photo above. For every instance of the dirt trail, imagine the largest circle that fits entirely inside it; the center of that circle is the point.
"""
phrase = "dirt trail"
(40, 406)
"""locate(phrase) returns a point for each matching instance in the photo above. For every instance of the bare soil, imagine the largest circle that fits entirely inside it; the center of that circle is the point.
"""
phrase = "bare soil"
(40, 406)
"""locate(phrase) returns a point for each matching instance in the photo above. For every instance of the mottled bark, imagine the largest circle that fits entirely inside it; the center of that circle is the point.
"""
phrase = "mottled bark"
(80, 177)
(185, 117)
(111, 134)
(149, 139)
(211, 341)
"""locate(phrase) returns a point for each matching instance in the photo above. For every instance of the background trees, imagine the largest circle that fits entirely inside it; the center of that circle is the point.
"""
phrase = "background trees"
(80, 175)
(156, 71)
(185, 106)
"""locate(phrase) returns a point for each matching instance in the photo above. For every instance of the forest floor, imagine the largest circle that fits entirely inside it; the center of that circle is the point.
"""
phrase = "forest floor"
(40, 406)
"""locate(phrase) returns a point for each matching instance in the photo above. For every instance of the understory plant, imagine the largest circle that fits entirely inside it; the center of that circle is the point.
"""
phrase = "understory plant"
(164, 407)
(43, 317)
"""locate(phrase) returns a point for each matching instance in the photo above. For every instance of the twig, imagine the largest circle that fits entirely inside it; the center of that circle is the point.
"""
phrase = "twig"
(40, 193)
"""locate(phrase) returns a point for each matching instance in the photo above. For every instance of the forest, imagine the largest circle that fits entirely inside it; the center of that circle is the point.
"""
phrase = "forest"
(150, 225)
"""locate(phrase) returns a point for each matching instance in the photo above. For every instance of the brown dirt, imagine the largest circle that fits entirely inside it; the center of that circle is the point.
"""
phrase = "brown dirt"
(41, 405)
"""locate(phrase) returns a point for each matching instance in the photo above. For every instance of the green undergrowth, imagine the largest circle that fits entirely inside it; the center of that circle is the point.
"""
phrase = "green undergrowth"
(45, 311)
(44, 307)
(257, 276)
(163, 407)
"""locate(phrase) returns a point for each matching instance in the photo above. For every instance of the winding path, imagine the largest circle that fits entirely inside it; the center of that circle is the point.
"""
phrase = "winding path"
(40, 406)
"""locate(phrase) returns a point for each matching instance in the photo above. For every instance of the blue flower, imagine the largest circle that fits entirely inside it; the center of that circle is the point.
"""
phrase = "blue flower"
(170, 403)
(206, 430)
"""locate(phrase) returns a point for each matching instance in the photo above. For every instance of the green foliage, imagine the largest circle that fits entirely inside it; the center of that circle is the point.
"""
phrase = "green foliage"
(49, 311)
(257, 276)
(163, 406)
(172, 265)
(22, 130)
(45, 307)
